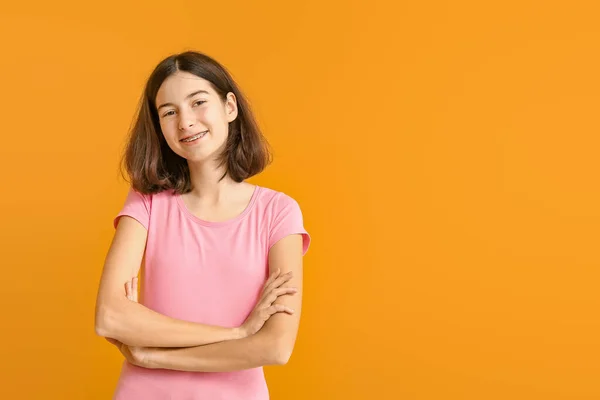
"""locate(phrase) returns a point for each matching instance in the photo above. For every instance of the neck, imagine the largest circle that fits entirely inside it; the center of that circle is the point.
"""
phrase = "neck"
(206, 186)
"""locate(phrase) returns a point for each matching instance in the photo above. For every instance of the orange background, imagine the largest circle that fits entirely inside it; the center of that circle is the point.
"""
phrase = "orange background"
(444, 154)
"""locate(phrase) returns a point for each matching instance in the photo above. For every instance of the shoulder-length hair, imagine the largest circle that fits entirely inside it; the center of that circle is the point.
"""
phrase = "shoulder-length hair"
(149, 161)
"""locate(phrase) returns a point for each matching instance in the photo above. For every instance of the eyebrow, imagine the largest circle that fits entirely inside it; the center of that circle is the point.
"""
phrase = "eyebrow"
(187, 97)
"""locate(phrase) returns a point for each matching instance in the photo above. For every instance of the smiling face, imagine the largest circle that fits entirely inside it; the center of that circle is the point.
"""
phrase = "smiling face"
(189, 108)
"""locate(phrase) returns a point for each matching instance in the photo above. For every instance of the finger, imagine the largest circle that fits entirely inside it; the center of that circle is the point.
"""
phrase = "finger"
(275, 274)
(280, 280)
(135, 289)
(270, 299)
(277, 308)
(275, 284)
(128, 289)
(274, 294)
(285, 290)
(272, 277)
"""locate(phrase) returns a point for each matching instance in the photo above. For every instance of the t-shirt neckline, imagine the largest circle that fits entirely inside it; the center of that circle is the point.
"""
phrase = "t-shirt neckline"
(201, 221)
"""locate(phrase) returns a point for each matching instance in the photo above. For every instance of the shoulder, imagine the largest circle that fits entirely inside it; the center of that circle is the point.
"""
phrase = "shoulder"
(284, 217)
(135, 199)
(274, 201)
(149, 198)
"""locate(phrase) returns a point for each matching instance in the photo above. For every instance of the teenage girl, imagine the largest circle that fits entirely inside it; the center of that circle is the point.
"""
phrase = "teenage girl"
(222, 258)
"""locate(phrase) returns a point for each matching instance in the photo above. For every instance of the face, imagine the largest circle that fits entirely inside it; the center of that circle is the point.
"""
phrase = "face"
(187, 105)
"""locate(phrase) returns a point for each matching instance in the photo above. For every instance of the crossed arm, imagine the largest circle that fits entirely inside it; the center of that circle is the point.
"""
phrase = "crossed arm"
(271, 345)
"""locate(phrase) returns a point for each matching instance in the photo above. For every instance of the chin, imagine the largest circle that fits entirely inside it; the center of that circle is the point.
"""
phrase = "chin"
(201, 153)
(200, 156)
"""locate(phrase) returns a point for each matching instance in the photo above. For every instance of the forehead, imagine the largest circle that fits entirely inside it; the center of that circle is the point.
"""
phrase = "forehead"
(179, 85)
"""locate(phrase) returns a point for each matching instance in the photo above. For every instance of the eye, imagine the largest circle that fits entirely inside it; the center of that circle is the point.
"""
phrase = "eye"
(169, 113)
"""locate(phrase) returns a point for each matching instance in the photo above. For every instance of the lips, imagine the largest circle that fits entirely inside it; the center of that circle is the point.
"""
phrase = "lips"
(197, 133)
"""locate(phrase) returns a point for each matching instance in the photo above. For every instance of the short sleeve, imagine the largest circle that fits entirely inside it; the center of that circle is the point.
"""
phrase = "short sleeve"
(137, 206)
(288, 220)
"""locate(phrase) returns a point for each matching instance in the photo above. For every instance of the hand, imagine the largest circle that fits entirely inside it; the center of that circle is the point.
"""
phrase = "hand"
(264, 307)
(140, 356)
(131, 289)
(136, 355)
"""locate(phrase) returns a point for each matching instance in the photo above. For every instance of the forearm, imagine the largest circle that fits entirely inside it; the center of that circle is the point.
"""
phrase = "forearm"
(136, 325)
(250, 352)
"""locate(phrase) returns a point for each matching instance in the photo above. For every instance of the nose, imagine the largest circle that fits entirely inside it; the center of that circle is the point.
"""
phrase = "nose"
(186, 121)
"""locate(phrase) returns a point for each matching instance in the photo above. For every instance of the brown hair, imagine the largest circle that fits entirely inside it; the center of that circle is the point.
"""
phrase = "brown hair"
(149, 161)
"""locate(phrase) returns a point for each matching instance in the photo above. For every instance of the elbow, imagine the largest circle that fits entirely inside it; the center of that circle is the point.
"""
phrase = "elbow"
(103, 322)
(281, 352)
(282, 358)
(277, 345)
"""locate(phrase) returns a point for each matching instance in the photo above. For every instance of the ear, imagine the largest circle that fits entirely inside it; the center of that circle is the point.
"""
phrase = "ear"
(231, 110)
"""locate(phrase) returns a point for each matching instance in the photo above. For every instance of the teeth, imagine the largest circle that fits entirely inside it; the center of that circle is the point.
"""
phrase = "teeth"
(194, 137)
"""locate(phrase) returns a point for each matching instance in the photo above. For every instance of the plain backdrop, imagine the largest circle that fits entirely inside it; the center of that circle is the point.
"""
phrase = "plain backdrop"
(444, 154)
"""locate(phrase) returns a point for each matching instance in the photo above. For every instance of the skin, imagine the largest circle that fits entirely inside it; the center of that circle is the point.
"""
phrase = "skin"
(185, 117)
(212, 200)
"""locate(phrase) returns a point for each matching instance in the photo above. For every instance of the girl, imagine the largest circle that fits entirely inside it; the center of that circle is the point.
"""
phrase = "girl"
(222, 258)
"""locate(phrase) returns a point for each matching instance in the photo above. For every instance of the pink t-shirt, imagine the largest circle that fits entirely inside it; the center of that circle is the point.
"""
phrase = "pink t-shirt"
(205, 272)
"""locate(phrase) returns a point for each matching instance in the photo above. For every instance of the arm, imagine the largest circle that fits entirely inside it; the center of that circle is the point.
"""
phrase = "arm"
(130, 322)
(272, 345)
